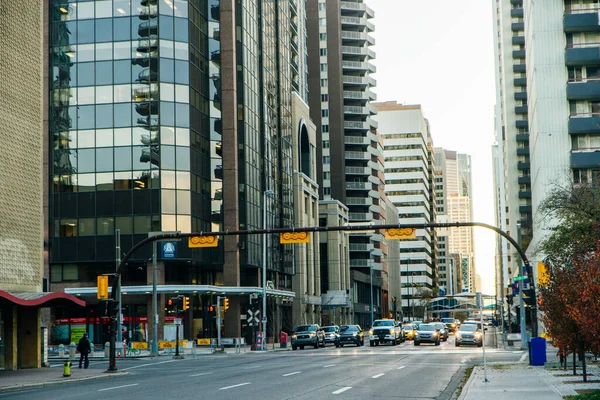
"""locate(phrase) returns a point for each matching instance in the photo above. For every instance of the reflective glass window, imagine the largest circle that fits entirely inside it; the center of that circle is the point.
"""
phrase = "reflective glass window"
(182, 93)
(68, 227)
(104, 94)
(86, 160)
(183, 158)
(141, 224)
(167, 92)
(121, 8)
(123, 74)
(85, 10)
(85, 52)
(86, 182)
(168, 223)
(166, 48)
(85, 139)
(184, 223)
(167, 201)
(167, 113)
(85, 95)
(181, 30)
(87, 227)
(182, 72)
(165, 7)
(125, 224)
(123, 180)
(121, 29)
(104, 115)
(182, 113)
(167, 73)
(122, 50)
(104, 8)
(183, 180)
(85, 31)
(105, 226)
(104, 181)
(167, 135)
(122, 93)
(104, 137)
(86, 74)
(180, 8)
(104, 73)
(183, 137)
(141, 158)
(104, 51)
(122, 115)
(167, 157)
(181, 51)
(86, 117)
(122, 137)
(104, 30)
(123, 158)
(183, 202)
(166, 27)
(167, 179)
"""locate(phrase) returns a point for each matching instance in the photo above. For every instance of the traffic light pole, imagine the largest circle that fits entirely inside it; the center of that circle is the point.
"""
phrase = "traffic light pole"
(154, 303)
(219, 322)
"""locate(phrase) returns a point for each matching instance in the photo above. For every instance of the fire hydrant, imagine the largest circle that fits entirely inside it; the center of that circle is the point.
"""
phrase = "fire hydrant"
(67, 368)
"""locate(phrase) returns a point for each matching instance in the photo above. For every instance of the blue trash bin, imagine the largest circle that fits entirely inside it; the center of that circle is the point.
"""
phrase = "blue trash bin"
(537, 348)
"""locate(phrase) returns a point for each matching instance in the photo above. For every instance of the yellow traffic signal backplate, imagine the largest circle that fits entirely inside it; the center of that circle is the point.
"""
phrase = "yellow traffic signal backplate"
(400, 233)
(294, 237)
(203, 241)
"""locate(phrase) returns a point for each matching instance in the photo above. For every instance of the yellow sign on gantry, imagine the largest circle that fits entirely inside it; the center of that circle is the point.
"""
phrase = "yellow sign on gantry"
(294, 237)
(203, 241)
(400, 233)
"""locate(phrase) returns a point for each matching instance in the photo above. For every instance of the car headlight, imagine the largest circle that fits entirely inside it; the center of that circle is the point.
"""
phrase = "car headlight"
(370, 331)
(391, 331)
(458, 335)
(435, 333)
(294, 336)
(354, 334)
(312, 334)
(477, 334)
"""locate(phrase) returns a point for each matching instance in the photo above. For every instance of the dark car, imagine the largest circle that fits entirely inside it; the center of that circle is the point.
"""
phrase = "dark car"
(308, 335)
(443, 331)
(450, 323)
(351, 334)
(469, 334)
(427, 333)
(331, 334)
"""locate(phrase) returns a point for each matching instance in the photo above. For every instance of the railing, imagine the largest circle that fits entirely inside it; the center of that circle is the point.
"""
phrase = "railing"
(584, 115)
(354, 20)
(353, 6)
(354, 50)
(356, 140)
(357, 155)
(571, 80)
(354, 35)
(358, 170)
(355, 79)
(582, 45)
(585, 149)
(582, 10)
(359, 185)
(355, 94)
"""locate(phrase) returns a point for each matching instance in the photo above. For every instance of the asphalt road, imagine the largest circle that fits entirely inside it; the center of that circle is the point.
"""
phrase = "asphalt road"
(403, 372)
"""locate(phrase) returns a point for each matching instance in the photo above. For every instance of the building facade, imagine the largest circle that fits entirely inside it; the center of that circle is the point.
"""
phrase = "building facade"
(408, 146)
(174, 116)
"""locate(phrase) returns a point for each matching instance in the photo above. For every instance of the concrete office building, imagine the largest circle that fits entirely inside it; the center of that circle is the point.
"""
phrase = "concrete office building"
(407, 148)
(174, 116)
(340, 82)
(512, 172)
(23, 293)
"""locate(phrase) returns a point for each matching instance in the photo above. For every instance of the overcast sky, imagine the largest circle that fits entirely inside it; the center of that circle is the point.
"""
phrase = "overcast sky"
(440, 54)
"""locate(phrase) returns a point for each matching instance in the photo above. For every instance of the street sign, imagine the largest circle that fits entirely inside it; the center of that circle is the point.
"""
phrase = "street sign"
(264, 319)
(520, 278)
(177, 321)
(253, 317)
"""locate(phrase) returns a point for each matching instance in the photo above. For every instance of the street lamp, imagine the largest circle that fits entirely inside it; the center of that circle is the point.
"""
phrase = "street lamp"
(371, 276)
(264, 271)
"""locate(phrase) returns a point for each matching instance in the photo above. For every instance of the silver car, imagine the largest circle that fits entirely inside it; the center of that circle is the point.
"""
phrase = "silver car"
(427, 333)
(332, 334)
(469, 334)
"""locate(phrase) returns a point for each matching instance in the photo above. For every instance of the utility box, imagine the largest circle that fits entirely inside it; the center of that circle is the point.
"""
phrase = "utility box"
(537, 349)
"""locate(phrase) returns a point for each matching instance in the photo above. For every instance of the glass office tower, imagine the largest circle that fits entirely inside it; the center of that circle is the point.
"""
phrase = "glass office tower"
(137, 143)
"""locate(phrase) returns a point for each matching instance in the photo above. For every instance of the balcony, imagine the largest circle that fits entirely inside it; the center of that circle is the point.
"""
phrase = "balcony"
(357, 140)
(583, 54)
(517, 26)
(522, 123)
(525, 194)
(356, 125)
(355, 50)
(522, 137)
(359, 185)
(525, 209)
(360, 217)
(581, 20)
(516, 2)
(359, 36)
(520, 95)
(584, 123)
(520, 82)
(586, 90)
(516, 12)
(518, 54)
(359, 201)
(585, 159)
(357, 155)
(521, 110)
(519, 68)
(361, 262)
(355, 65)
(356, 110)
(358, 171)
(521, 166)
(518, 40)
(148, 28)
(523, 151)
(523, 180)
(348, 5)
(356, 80)
(356, 95)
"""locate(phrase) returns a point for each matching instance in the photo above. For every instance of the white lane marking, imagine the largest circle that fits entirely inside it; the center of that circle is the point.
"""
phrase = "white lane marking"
(327, 366)
(377, 376)
(404, 366)
(203, 373)
(523, 357)
(365, 365)
(517, 352)
(293, 373)
(464, 360)
(147, 365)
(118, 387)
(342, 390)
(234, 386)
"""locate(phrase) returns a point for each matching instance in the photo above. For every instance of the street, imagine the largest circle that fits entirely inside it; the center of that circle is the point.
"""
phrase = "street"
(404, 371)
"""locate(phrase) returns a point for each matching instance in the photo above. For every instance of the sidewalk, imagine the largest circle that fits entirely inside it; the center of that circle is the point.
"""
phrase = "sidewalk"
(22, 378)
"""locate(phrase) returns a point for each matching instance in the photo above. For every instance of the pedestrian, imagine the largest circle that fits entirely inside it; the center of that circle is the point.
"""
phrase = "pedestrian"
(85, 348)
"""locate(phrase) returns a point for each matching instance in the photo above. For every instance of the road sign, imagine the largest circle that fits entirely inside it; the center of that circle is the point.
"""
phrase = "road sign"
(177, 321)
(264, 319)
(519, 278)
(253, 317)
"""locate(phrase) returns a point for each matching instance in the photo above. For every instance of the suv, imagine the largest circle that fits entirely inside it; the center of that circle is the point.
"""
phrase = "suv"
(331, 333)
(450, 323)
(427, 333)
(308, 335)
(469, 334)
(386, 330)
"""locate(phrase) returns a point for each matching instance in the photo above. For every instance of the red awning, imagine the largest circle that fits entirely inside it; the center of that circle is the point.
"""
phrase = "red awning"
(42, 299)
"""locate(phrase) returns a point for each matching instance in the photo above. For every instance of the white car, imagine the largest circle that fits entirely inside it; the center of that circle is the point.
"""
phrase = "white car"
(386, 331)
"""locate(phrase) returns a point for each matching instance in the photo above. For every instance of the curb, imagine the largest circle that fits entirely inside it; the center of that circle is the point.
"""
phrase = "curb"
(54, 383)
(465, 389)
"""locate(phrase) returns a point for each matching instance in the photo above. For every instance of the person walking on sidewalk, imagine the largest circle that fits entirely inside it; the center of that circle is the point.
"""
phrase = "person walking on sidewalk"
(85, 348)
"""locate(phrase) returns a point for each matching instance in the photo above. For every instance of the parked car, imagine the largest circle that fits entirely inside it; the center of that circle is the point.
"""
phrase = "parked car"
(444, 333)
(427, 333)
(331, 333)
(350, 334)
(409, 331)
(469, 334)
(308, 335)
(386, 331)
(450, 323)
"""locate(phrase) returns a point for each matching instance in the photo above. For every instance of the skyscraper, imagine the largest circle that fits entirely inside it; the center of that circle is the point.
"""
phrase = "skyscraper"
(174, 116)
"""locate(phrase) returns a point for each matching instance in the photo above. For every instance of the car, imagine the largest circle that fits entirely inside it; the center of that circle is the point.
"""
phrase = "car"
(427, 333)
(350, 334)
(409, 331)
(417, 323)
(386, 331)
(473, 322)
(469, 334)
(444, 333)
(331, 334)
(308, 335)
(450, 323)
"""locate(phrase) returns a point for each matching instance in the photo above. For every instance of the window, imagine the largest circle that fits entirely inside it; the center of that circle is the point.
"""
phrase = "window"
(322, 6)
(325, 128)
(326, 175)
(66, 272)
(326, 159)
(323, 67)
(325, 113)
(323, 52)
(322, 36)
(322, 21)
(325, 144)
(327, 191)
(324, 97)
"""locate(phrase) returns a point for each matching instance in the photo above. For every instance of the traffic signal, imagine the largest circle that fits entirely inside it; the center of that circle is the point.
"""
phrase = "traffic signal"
(170, 302)
(112, 308)
(186, 303)
(103, 287)
(225, 304)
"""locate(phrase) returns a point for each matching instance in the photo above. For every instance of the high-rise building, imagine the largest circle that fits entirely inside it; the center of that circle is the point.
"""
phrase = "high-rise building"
(350, 153)
(408, 147)
(169, 115)
(447, 284)
(23, 290)
(512, 171)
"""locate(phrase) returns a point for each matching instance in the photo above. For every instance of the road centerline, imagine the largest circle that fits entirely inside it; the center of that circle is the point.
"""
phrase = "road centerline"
(403, 366)
(342, 390)
(234, 386)
(328, 366)
(203, 373)
(118, 387)
(293, 373)
(377, 376)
